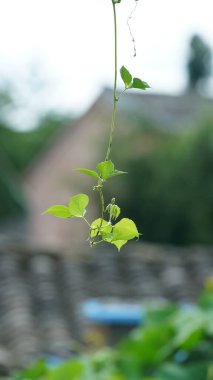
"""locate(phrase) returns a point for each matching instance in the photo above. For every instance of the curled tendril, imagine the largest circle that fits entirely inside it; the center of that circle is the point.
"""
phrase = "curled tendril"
(129, 27)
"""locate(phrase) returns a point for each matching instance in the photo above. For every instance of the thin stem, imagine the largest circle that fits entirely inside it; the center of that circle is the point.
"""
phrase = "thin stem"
(102, 204)
(115, 86)
(98, 242)
(86, 221)
(122, 92)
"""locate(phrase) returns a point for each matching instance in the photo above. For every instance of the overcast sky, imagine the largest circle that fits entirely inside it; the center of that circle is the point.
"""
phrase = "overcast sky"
(70, 43)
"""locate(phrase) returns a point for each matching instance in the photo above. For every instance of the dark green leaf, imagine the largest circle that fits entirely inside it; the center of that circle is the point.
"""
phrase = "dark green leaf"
(126, 76)
(171, 371)
(159, 313)
(206, 300)
(138, 83)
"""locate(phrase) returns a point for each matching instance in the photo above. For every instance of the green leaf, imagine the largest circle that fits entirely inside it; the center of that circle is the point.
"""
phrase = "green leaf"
(36, 371)
(107, 170)
(159, 313)
(190, 330)
(126, 76)
(72, 370)
(92, 173)
(138, 83)
(117, 172)
(100, 223)
(125, 229)
(173, 371)
(78, 204)
(60, 211)
(114, 211)
(119, 243)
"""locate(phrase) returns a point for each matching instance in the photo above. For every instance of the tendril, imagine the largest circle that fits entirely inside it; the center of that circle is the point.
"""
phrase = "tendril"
(129, 27)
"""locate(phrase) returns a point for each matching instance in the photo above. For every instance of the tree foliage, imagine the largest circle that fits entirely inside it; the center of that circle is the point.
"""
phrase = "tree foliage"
(17, 150)
(199, 63)
(174, 187)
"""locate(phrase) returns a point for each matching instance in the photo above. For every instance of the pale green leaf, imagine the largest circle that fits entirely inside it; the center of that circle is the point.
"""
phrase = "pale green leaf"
(105, 168)
(114, 211)
(91, 173)
(119, 243)
(125, 229)
(60, 211)
(107, 236)
(100, 227)
(78, 204)
(117, 172)
(138, 83)
(126, 76)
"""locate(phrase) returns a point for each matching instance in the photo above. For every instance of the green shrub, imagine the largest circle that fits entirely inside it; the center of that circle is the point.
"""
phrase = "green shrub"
(17, 150)
(174, 343)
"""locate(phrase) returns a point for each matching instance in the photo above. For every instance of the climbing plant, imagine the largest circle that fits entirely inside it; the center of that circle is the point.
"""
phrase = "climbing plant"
(106, 228)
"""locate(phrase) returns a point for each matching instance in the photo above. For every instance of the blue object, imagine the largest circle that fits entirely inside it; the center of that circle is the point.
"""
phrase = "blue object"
(112, 313)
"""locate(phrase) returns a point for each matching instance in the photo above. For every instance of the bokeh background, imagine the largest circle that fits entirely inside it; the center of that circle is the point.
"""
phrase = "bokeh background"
(56, 78)
(56, 62)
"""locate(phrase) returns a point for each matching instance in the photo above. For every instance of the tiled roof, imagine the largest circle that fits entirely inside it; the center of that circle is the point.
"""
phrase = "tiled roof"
(40, 293)
(168, 112)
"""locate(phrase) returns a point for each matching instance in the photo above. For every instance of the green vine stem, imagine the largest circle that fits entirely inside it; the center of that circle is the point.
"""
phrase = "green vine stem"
(102, 202)
(105, 228)
(115, 99)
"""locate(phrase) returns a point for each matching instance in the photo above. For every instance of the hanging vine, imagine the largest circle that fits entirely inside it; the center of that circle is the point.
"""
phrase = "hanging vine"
(105, 228)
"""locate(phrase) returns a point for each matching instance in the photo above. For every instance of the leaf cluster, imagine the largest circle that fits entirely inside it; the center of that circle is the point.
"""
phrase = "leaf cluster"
(131, 82)
(100, 230)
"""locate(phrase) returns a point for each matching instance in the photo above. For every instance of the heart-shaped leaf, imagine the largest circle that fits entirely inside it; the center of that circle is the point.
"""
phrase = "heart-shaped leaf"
(78, 204)
(107, 170)
(119, 243)
(125, 229)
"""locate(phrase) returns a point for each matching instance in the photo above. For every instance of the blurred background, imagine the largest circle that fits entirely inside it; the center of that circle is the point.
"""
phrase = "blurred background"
(56, 77)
